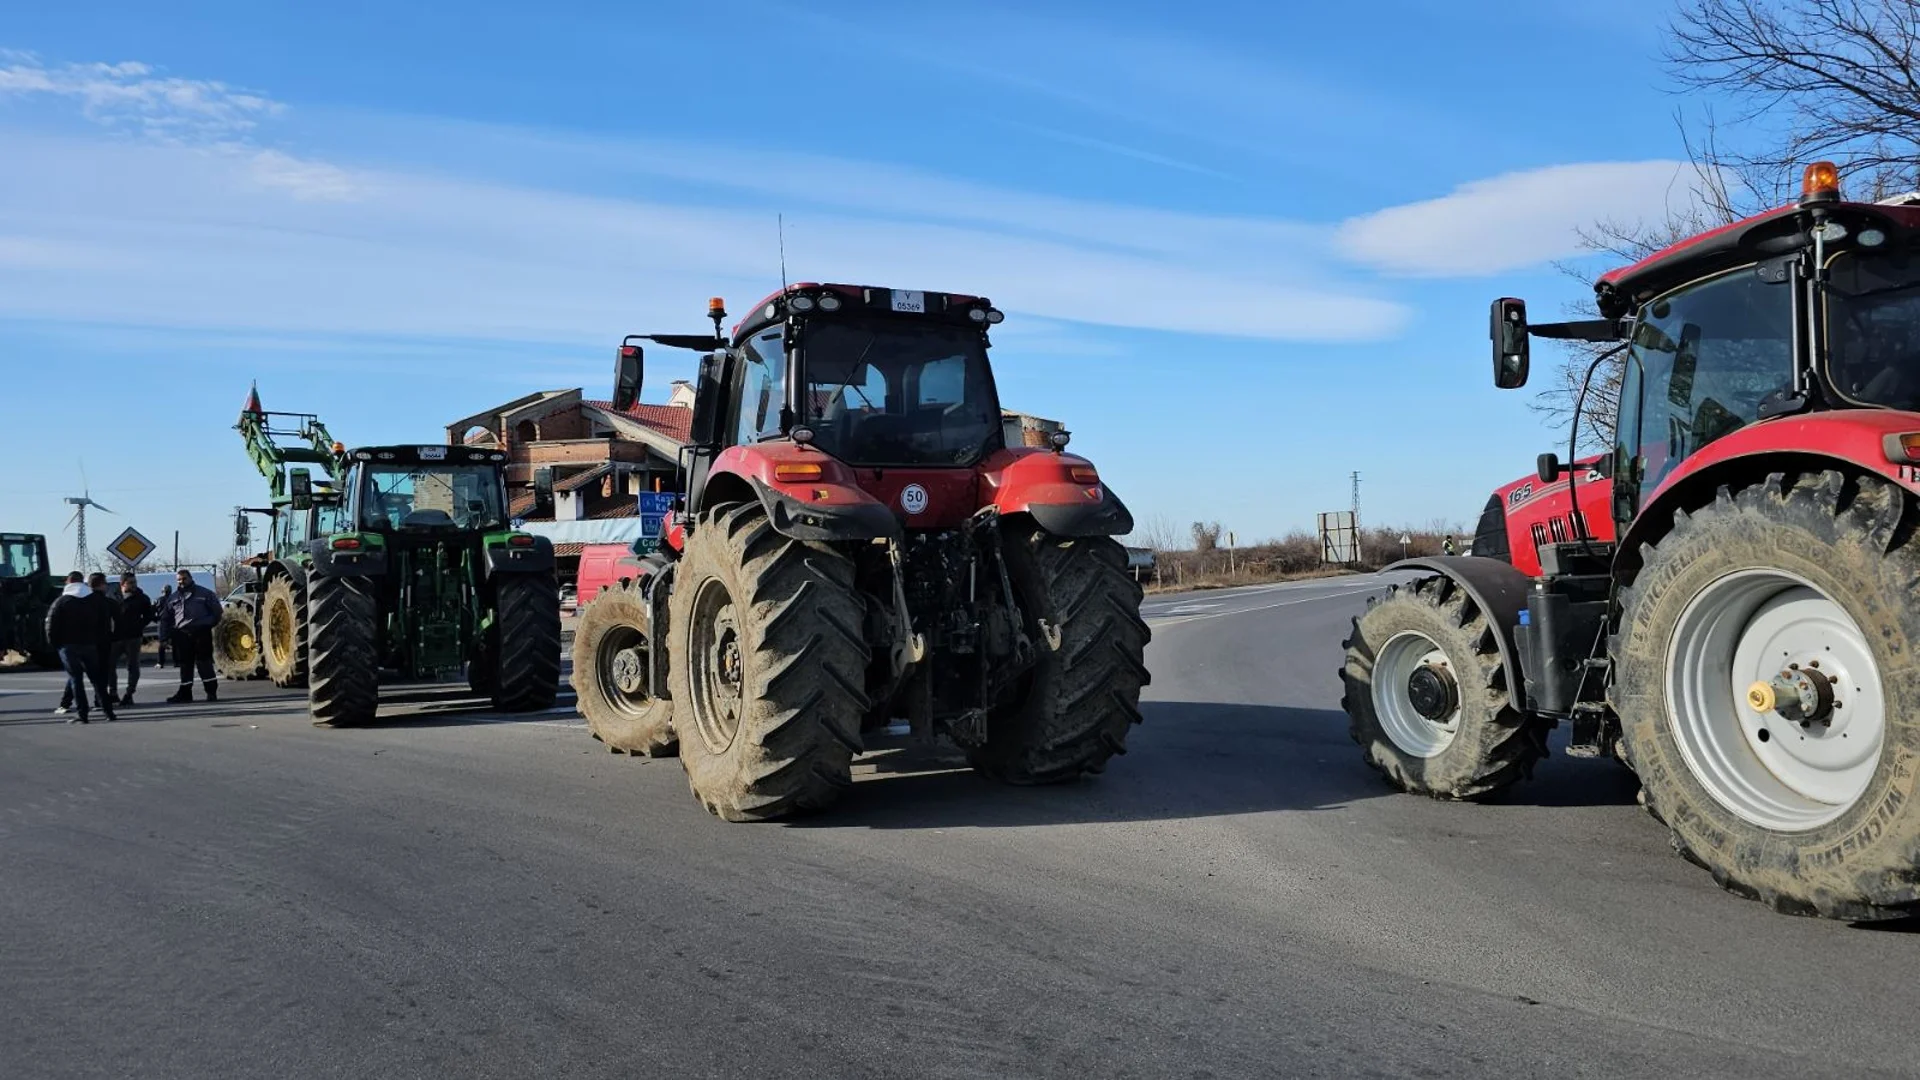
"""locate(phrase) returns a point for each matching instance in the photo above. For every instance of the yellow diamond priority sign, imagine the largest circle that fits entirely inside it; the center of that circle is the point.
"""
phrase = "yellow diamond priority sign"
(131, 547)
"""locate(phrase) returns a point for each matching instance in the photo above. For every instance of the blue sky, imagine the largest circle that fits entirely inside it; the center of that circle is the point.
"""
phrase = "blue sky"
(1244, 249)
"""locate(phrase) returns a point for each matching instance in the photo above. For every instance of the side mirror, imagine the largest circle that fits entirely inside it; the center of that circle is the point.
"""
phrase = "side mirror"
(716, 374)
(1509, 332)
(1547, 467)
(242, 530)
(300, 487)
(628, 364)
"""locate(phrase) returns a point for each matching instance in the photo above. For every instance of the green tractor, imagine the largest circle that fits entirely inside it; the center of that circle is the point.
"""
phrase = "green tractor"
(424, 578)
(27, 589)
(263, 632)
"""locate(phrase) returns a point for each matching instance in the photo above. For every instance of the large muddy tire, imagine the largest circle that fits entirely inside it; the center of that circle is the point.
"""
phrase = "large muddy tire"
(1074, 709)
(236, 651)
(528, 616)
(1427, 700)
(284, 632)
(1768, 696)
(767, 668)
(344, 685)
(611, 658)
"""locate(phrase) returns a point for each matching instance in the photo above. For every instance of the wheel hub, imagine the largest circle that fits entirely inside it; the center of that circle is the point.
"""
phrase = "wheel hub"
(1797, 695)
(719, 666)
(1432, 692)
(630, 670)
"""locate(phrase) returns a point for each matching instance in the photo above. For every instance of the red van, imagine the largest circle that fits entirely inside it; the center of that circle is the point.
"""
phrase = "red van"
(601, 566)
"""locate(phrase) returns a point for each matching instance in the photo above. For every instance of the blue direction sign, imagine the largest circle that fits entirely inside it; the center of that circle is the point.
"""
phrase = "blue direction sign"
(654, 507)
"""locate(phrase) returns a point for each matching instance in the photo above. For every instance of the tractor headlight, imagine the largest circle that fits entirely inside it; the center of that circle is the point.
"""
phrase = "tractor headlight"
(977, 314)
(800, 303)
(994, 316)
(829, 302)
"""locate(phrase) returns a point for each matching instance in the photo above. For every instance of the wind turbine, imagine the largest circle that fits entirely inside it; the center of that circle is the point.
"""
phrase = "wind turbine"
(83, 555)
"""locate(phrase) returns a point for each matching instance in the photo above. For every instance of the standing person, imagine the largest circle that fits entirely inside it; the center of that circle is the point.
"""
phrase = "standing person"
(136, 611)
(166, 591)
(77, 625)
(190, 613)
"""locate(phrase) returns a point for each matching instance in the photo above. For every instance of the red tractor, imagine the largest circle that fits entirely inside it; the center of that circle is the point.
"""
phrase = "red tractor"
(1726, 602)
(855, 542)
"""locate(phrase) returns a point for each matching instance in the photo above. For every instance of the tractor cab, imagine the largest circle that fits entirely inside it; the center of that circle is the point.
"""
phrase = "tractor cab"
(26, 589)
(404, 490)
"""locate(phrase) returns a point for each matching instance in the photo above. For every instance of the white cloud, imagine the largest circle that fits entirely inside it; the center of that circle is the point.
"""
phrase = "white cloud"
(131, 95)
(1516, 220)
(213, 240)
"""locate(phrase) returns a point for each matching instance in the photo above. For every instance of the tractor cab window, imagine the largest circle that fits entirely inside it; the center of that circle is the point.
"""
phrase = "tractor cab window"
(1703, 358)
(401, 497)
(1873, 328)
(763, 385)
(329, 518)
(896, 393)
(20, 557)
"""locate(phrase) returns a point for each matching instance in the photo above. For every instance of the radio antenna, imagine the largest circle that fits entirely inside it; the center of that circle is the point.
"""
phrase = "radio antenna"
(780, 226)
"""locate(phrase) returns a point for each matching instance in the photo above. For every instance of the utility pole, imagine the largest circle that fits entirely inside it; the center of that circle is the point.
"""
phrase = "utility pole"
(1356, 516)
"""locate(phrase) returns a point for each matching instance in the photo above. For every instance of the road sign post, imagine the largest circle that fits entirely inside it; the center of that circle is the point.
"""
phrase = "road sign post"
(131, 548)
(1404, 541)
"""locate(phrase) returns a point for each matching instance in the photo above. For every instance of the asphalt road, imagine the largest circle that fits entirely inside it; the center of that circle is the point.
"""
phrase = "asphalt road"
(226, 891)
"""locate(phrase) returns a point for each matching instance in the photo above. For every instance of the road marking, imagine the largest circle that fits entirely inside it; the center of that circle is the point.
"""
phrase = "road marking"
(1264, 607)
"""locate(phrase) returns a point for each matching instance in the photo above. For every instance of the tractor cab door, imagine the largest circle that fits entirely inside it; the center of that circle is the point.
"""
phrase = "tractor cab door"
(713, 422)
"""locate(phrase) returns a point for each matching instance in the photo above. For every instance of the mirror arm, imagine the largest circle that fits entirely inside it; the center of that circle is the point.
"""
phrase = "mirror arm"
(1594, 330)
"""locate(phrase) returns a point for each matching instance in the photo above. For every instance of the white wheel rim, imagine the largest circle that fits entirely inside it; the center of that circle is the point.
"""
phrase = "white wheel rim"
(1753, 627)
(1402, 655)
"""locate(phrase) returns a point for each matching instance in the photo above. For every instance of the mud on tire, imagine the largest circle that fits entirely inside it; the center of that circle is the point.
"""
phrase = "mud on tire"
(611, 651)
(284, 632)
(527, 619)
(1075, 709)
(1489, 745)
(236, 645)
(1851, 538)
(767, 667)
(343, 687)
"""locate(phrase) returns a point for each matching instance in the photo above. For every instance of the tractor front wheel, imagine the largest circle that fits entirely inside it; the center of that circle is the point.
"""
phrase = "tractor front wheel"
(344, 687)
(283, 632)
(1426, 697)
(1767, 694)
(236, 646)
(527, 640)
(767, 671)
(612, 659)
(1073, 711)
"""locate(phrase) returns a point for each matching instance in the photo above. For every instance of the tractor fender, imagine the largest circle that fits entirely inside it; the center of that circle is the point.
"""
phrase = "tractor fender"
(826, 504)
(847, 514)
(1498, 590)
(1041, 483)
(506, 557)
(369, 561)
(1853, 440)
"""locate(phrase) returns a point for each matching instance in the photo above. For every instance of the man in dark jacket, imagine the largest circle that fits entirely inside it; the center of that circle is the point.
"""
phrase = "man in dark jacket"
(188, 614)
(129, 626)
(78, 624)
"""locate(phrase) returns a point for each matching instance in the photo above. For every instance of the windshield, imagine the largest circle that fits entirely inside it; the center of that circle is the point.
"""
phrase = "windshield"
(430, 496)
(20, 557)
(1873, 328)
(895, 393)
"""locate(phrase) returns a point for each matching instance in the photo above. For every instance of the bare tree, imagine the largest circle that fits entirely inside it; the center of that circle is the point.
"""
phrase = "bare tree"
(1811, 80)
(1819, 79)
(1206, 536)
(1158, 533)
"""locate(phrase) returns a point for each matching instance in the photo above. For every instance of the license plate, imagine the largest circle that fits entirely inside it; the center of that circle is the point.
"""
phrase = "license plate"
(909, 301)
(433, 453)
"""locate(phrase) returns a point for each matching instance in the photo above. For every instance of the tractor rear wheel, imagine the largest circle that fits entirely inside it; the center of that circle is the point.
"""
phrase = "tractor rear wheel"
(1426, 697)
(236, 649)
(527, 620)
(612, 656)
(283, 632)
(1767, 694)
(1074, 710)
(344, 688)
(767, 671)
